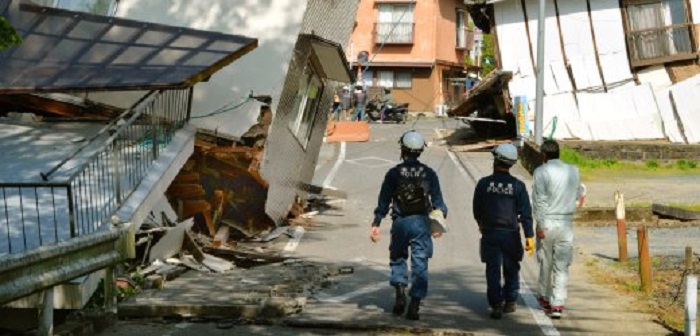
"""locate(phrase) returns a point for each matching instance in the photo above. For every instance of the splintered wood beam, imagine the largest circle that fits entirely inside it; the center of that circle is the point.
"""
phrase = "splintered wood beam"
(187, 177)
(221, 236)
(77, 108)
(186, 191)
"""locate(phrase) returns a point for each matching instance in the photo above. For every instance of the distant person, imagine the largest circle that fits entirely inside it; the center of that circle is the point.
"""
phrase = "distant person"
(360, 102)
(346, 102)
(412, 190)
(336, 108)
(555, 194)
(387, 100)
(500, 202)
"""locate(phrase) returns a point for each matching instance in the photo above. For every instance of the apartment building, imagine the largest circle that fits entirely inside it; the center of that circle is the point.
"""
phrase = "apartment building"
(416, 48)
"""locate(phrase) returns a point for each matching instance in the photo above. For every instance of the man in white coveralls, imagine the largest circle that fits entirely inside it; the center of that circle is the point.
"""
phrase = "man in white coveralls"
(556, 191)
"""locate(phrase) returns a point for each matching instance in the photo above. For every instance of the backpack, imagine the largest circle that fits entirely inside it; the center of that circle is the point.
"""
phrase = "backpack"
(412, 198)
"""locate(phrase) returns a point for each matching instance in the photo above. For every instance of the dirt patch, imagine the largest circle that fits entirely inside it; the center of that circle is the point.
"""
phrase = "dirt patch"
(665, 301)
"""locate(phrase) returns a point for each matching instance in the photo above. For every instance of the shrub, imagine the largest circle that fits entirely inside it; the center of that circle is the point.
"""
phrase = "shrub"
(686, 164)
(652, 164)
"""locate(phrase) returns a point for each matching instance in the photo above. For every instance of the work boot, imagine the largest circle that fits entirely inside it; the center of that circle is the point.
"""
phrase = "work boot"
(556, 312)
(413, 307)
(400, 303)
(509, 307)
(497, 311)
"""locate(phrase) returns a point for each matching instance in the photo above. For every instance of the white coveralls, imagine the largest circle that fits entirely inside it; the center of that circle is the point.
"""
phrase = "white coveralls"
(555, 193)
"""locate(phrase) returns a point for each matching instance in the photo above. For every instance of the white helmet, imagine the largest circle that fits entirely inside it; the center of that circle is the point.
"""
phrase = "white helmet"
(412, 141)
(506, 153)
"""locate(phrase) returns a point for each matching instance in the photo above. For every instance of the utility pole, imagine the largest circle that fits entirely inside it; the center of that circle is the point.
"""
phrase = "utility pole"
(539, 88)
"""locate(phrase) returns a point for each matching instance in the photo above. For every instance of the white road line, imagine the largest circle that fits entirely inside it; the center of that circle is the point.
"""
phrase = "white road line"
(543, 321)
(331, 175)
(538, 314)
(323, 297)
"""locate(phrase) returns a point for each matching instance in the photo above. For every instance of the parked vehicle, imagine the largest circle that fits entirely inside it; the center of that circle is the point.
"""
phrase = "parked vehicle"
(395, 113)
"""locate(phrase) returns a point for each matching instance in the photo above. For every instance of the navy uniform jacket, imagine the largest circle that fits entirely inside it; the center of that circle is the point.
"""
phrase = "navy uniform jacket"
(500, 201)
(391, 180)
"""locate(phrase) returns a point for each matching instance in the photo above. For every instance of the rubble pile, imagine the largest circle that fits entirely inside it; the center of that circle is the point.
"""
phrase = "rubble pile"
(209, 248)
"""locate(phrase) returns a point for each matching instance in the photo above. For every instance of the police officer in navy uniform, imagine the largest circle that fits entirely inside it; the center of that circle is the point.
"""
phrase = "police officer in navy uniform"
(500, 202)
(412, 190)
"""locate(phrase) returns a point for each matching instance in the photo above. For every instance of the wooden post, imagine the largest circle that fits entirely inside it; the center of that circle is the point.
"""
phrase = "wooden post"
(689, 259)
(644, 263)
(691, 304)
(110, 295)
(46, 314)
(621, 226)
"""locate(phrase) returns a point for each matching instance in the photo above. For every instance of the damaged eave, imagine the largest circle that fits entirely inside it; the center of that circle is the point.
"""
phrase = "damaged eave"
(65, 51)
(493, 83)
(61, 105)
(331, 58)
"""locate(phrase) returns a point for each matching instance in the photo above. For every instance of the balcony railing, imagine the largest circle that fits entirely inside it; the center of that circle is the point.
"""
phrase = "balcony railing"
(660, 45)
(35, 214)
(394, 33)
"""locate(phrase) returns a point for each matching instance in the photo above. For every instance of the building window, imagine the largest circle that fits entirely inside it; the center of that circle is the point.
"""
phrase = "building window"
(305, 105)
(99, 7)
(461, 27)
(658, 31)
(404, 80)
(395, 24)
(394, 79)
(385, 79)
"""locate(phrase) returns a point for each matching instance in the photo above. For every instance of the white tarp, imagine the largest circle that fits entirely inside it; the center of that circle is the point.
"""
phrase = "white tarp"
(563, 107)
(626, 114)
(685, 99)
(578, 43)
(695, 10)
(610, 40)
(663, 100)
(556, 76)
(514, 47)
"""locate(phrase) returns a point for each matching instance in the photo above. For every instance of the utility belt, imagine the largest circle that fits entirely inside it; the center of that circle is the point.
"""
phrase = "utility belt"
(485, 229)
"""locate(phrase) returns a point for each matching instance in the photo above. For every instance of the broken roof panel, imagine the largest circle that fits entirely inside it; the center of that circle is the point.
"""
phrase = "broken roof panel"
(64, 50)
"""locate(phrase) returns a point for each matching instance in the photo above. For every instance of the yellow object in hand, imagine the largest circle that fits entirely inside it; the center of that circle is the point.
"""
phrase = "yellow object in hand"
(529, 246)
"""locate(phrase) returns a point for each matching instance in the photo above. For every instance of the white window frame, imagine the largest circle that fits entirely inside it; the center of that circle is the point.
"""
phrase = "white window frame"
(461, 29)
(308, 98)
(391, 19)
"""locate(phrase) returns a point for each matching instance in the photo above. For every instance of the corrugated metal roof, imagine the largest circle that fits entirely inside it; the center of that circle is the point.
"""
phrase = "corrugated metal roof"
(71, 51)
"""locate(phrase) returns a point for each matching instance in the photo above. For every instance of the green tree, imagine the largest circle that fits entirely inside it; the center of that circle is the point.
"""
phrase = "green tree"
(488, 59)
(8, 35)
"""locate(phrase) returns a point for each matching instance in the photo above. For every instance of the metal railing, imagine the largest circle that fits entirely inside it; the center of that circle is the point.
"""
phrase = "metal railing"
(402, 34)
(661, 45)
(95, 185)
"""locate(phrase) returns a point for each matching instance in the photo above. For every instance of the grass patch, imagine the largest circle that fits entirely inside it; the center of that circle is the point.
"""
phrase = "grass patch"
(689, 207)
(591, 168)
(666, 298)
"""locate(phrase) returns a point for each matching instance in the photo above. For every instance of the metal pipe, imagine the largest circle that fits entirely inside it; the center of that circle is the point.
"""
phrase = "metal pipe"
(539, 87)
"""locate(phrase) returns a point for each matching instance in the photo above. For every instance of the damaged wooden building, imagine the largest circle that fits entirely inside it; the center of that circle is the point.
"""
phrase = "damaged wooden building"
(99, 123)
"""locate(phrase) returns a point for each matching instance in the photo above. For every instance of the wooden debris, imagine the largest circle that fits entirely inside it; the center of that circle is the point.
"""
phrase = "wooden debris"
(216, 264)
(248, 255)
(190, 245)
(171, 243)
(221, 236)
(186, 191)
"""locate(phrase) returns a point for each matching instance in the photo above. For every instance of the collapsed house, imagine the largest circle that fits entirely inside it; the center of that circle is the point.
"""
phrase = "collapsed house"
(614, 70)
(111, 129)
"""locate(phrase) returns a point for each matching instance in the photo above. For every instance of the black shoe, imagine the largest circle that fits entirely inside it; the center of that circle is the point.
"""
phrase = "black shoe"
(497, 311)
(413, 307)
(509, 307)
(400, 303)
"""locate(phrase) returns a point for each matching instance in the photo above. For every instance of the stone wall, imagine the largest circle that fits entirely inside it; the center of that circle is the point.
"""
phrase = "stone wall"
(634, 151)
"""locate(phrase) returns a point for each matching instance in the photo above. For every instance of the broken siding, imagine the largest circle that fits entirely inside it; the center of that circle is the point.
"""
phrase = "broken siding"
(287, 164)
(590, 112)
